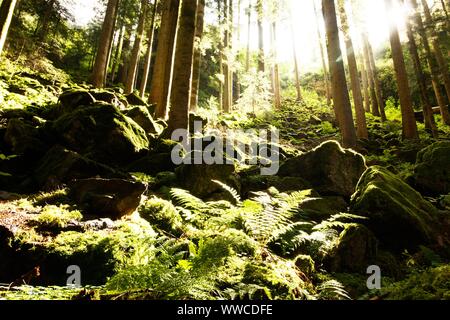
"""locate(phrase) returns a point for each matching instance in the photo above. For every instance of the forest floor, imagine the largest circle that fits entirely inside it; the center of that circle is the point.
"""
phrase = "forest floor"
(89, 195)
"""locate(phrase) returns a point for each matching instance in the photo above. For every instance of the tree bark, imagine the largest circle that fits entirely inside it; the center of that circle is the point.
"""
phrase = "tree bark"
(197, 55)
(434, 68)
(365, 82)
(117, 55)
(322, 55)
(249, 17)
(442, 63)
(134, 59)
(181, 87)
(261, 59)
(148, 54)
(430, 123)
(98, 74)
(361, 124)
(339, 87)
(276, 70)
(406, 104)
(162, 72)
(6, 13)
(377, 83)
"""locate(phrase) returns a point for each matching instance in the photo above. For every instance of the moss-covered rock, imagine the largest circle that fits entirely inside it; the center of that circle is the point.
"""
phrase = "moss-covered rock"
(305, 264)
(60, 166)
(24, 138)
(162, 214)
(329, 168)
(72, 99)
(153, 163)
(282, 184)
(432, 170)
(103, 132)
(322, 208)
(398, 215)
(142, 117)
(112, 198)
(355, 250)
(198, 179)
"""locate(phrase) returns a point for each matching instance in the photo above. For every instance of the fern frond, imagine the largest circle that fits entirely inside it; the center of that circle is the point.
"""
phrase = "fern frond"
(332, 290)
(233, 192)
(186, 200)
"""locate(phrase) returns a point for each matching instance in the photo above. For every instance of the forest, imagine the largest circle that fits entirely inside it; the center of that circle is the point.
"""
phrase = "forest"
(224, 150)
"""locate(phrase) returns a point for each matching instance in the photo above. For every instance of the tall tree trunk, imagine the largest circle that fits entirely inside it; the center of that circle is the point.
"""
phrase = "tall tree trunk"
(148, 54)
(339, 87)
(295, 57)
(430, 123)
(228, 82)
(98, 74)
(373, 92)
(181, 85)
(6, 13)
(377, 83)
(322, 55)
(261, 59)
(117, 54)
(249, 26)
(197, 55)
(434, 68)
(361, 128)
(123, 67)
(276, 70)
(408, 117)
(442, 63)
(365, 82)
(162, 72)
(134, 60)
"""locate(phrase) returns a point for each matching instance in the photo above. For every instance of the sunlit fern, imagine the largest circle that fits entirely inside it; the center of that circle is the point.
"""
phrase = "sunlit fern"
(233, 192)
(332, 290)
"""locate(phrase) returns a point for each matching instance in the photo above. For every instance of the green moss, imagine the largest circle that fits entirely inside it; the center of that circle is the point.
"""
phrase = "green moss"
(430, 284)
(305, 264)
(54, 217)
(54, 197)
(399, 216)
(162, 214)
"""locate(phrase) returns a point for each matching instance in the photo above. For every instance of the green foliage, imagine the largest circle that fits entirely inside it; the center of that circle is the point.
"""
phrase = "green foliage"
(161, 214)
(54, 217)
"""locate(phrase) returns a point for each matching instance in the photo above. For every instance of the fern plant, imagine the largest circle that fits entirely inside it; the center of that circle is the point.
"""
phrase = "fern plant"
(233, 192)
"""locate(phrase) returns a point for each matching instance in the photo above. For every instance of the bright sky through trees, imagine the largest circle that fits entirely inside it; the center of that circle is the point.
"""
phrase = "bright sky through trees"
(371, 13)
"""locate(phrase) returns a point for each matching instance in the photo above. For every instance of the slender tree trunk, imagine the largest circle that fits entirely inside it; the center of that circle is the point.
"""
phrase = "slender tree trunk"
(377, 83)
(296, 67)
(434, 68)
(227, 87)
(123, 67)
(322, 55)
(249, 26)
(361, 128)
(181, 85)
(340, 93)
(261, 59)
(421, 80)
(408, 117)
(365, 82)
(6, 13)
(134, 60)
(117, 55)
(162, 72)
(197, 55)
(148, 54)
(442, 63)
(98, 74)
(276, 71)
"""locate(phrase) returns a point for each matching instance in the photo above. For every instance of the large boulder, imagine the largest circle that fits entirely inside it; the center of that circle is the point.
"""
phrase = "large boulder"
(153, 164)
(432, 170)
(72, 99)
(198, 179)
(398, 215)
(142, 117)
(102, 132)
(329, 168)
(111, 198)
(60, 166)
(24, 138)
(355, 250)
